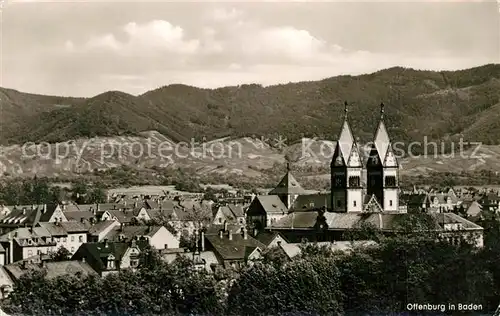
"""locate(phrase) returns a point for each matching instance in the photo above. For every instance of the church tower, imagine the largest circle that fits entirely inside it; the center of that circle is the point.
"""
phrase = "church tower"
(346, 169)
(288, 189)
(382, 169)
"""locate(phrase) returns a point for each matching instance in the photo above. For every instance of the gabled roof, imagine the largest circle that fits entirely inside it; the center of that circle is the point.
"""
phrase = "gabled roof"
(371, 204)
(100, 227)
(271, 204)
(74, 227)
(267, 237)
(101, 250)
(130, 232)
(54, 269)
(288, 185)
(78, 215)
(235, 249)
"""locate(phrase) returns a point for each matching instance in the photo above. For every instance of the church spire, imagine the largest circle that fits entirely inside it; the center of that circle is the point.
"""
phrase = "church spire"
(381, 111)
(288, 166)
(345, 111)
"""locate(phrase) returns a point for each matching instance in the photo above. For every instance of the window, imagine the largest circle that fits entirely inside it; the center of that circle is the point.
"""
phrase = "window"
(134, 263)
(390, 202)
(390, 181)
(72, 238)
(72, 249)
(111, 263)
(80, 239)
(30, 253)
(65, 239)
(354, 203)
(220, 220)
(38, 252)
(354, 181)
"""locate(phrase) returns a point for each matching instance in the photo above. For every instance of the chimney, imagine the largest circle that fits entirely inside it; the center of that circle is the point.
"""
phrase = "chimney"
(24, 264)
(381, 220)
(255, 232)
(202, 242)
(121, 227)
(244, 233)
(24, 211)
(44, 209)
(105, 242)
(83, 259)
(220, 233)
(225, 226)
(15, 234)
(230, 235)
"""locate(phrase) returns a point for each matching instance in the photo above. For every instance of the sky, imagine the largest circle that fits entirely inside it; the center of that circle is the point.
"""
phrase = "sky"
(86, 48)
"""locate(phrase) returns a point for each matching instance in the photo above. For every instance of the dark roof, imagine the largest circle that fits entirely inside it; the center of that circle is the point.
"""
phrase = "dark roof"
(235, 249)
(99, 227)
(75, 227)
(343, 221)
(271, 204)
(78, 215)
(101, 250)
(215, 229)
(23, 214)
(47, 212)
(123, 216)
(312, 201)
(266, 237)
(288, 185)
(130, 232)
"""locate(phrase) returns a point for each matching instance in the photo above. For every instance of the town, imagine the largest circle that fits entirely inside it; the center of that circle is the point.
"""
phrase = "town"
(226, 237)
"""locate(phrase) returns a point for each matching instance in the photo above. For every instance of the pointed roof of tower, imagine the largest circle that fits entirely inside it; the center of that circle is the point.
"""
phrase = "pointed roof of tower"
(345, 140)
(382, 141)
(288, 185)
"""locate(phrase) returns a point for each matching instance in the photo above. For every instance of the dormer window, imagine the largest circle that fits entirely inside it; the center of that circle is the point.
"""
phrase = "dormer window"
(111, 262)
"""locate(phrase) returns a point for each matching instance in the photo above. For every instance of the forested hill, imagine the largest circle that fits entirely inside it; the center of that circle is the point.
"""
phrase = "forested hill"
(418, 103)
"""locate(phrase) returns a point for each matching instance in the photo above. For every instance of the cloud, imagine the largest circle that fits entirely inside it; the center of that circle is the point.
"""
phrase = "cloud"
(155, 36)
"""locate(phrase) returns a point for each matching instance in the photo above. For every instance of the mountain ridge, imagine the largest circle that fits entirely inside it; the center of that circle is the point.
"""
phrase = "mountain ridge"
(419, 103)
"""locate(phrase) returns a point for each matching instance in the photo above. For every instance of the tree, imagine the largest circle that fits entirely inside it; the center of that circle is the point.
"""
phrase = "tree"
(62, 254)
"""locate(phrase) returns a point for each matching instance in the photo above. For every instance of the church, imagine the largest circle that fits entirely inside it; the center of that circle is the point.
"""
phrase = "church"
(364, 191)
(364, 185)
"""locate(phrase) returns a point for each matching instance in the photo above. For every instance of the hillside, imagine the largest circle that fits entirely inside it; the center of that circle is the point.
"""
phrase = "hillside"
(418, 103)
(238, 159)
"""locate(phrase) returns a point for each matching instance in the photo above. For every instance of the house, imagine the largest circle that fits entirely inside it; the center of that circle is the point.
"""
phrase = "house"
(270, 238)
(231, 213)
(490, 201)
(99, 231)
(109, 257)
(26, 242)
(30, 215)
(442, 202)
(265, 210)
(158, 237)
(70, 235)
(53, 269)
(44, 238)
(121, 216)
(331, 226)
(233, 250)
(416, 202)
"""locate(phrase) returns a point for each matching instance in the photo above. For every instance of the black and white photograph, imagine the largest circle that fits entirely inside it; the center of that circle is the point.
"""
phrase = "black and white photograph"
(274, 158)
